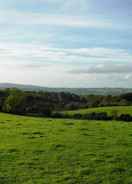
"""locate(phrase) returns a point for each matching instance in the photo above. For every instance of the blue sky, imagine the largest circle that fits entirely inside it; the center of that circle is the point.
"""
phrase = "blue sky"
(73, 43)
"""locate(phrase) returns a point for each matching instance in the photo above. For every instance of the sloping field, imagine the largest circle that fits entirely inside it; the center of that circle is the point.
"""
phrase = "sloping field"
(110, 110)
(49, 151)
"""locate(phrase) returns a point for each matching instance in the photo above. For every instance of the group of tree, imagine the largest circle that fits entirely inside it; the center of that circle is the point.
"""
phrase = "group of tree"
(46, 103)
(38, 103)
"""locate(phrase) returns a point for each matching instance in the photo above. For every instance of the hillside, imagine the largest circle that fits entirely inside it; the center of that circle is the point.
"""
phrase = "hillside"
(45, 151)
(78, 91)
(116, 109)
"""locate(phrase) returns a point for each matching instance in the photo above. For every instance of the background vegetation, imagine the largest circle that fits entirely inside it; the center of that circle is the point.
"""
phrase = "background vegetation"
(50, 104)
(44, 103)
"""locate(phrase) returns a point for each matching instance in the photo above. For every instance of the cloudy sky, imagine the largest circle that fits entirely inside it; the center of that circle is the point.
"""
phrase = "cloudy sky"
(66, 43)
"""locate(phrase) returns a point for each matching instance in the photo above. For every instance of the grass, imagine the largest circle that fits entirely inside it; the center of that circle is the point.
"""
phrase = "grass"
(110, 110)
(51, 151)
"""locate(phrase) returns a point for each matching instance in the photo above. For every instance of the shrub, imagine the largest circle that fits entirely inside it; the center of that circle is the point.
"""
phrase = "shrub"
(97, 116)
(77, 116)
(57, 115)
(124, 117)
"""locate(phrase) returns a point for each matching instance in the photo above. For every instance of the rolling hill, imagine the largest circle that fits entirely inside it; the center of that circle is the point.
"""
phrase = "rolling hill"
(110, 110)
(78, 91)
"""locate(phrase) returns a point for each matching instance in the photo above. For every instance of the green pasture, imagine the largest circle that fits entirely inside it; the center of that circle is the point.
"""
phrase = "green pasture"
(52, 151)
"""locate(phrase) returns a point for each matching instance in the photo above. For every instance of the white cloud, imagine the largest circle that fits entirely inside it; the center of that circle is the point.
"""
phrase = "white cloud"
(106, 68)
(23, 18)
(44, 65)
(103, 54)
(32, 53)
(128, 76)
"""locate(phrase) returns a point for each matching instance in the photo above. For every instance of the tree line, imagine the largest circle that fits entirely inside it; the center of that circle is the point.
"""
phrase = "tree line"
(47, 103)
(38, 103)
(95, 116)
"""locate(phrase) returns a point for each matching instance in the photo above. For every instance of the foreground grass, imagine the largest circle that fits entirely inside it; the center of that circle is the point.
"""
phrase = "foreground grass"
(49, 151)
(110, 110)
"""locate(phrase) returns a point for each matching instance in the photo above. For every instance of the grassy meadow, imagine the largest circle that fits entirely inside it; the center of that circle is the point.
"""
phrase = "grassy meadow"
(110, 110)
(52, 151)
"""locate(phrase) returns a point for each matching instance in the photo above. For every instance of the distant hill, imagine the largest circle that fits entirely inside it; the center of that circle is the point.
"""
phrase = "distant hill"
(78, 91)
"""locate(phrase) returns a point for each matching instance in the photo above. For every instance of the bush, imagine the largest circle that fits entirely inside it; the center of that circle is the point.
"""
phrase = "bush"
(97, 116)
(77, 116)
(125, 117)
(57, 115)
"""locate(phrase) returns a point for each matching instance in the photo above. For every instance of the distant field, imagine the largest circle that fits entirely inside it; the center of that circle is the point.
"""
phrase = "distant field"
(49, 151)
(118, 109)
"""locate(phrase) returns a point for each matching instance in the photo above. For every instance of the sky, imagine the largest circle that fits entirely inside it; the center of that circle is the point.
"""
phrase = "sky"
(66, 43)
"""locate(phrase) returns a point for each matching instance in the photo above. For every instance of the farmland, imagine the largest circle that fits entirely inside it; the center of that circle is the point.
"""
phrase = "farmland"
(110, 110)
(45, 151)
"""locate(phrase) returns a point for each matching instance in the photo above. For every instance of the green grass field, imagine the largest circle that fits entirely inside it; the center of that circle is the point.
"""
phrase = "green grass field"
(118, 109)
(49, 151)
